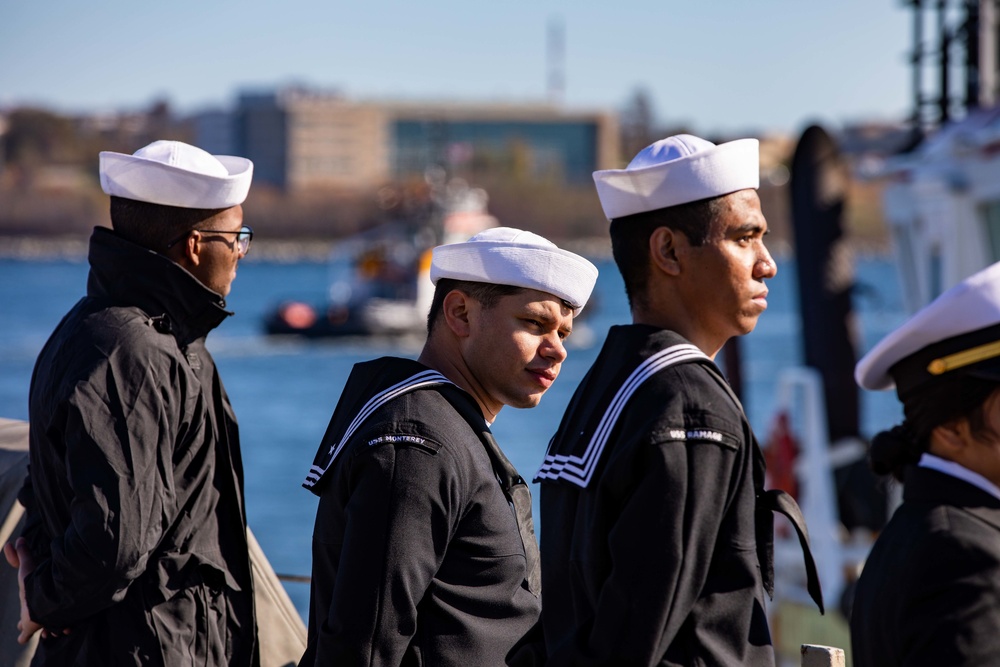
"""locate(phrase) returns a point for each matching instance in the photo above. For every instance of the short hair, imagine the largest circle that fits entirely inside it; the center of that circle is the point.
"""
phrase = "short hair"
(487, 294)
(153, 226)
(630, 238)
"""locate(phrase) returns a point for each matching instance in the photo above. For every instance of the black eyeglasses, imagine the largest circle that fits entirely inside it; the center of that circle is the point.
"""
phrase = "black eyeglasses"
(243, 238)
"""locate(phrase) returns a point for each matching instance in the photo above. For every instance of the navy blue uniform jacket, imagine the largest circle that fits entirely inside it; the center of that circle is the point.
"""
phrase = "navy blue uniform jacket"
(423, 549)
(650, 554)
(930, 590)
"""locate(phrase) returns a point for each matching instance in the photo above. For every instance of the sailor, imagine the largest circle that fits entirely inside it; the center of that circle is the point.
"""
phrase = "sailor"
(135, 535)
(656, 531)
(929, 591)
(424, 550)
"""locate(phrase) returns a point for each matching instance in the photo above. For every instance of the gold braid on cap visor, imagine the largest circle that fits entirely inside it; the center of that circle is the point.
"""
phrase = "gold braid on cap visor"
(964, 358)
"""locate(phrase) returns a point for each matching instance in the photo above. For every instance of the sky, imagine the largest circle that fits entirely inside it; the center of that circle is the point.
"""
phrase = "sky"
(714, 66)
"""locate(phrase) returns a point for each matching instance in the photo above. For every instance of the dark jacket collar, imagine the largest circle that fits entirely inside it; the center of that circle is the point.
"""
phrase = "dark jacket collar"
(924, 485)
(640, 341)
(128, 274)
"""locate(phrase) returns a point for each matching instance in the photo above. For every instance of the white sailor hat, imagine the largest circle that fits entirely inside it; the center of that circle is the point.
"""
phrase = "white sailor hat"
(508, 256)
(956, 334)
(678, 170)
(173, 173)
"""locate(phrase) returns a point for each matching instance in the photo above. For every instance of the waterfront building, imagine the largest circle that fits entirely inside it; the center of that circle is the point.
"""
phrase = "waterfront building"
(300, 139)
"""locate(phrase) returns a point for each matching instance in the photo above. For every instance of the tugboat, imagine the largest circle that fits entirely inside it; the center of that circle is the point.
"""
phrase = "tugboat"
(380, 279)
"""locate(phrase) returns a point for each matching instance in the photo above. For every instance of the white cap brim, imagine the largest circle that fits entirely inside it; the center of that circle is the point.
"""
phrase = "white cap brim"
(969, 306)
(142, 179)
(546, 268)
(716, 171)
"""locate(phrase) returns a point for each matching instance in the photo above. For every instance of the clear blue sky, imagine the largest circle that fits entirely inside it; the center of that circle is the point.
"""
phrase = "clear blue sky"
(716, 65)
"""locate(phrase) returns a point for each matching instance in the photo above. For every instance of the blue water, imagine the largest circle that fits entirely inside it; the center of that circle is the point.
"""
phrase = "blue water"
(284, 391)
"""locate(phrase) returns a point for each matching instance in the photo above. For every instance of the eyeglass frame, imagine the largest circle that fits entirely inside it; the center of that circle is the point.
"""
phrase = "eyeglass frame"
(244, 231)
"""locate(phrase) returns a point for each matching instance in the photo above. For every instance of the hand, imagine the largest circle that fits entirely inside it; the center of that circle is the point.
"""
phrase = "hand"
(18, 556)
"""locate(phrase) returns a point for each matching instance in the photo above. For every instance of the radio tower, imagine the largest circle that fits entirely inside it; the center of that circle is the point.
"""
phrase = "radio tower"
(556, 52)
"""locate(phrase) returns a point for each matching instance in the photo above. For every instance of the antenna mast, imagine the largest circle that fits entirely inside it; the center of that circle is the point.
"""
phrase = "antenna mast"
(971, 26)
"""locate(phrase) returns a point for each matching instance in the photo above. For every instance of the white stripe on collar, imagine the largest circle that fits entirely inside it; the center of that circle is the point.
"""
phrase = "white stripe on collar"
(579, 469)
(422, 379)
(955, 470)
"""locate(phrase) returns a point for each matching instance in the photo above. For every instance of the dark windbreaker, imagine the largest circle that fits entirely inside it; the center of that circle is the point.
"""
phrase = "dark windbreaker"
(134, 497)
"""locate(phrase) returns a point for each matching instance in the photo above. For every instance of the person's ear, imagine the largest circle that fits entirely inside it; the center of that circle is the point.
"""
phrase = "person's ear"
(193, 247)
(187, 252)
(664, 243)
(951, 438)
(457, 310)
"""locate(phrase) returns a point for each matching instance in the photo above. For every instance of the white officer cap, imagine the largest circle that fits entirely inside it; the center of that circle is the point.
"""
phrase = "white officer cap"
(956, 334)
(173, 173)
(678, 170)
(508, 256)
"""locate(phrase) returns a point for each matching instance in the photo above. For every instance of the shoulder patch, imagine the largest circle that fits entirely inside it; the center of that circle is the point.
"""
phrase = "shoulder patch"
(699, 434)
(410, 439)
(404, 439)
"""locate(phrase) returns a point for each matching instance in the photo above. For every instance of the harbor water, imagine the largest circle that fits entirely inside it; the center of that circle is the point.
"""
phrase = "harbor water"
(284, 390)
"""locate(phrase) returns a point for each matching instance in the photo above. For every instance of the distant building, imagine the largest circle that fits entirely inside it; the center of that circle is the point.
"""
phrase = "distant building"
(215, 132)
(299, 140)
